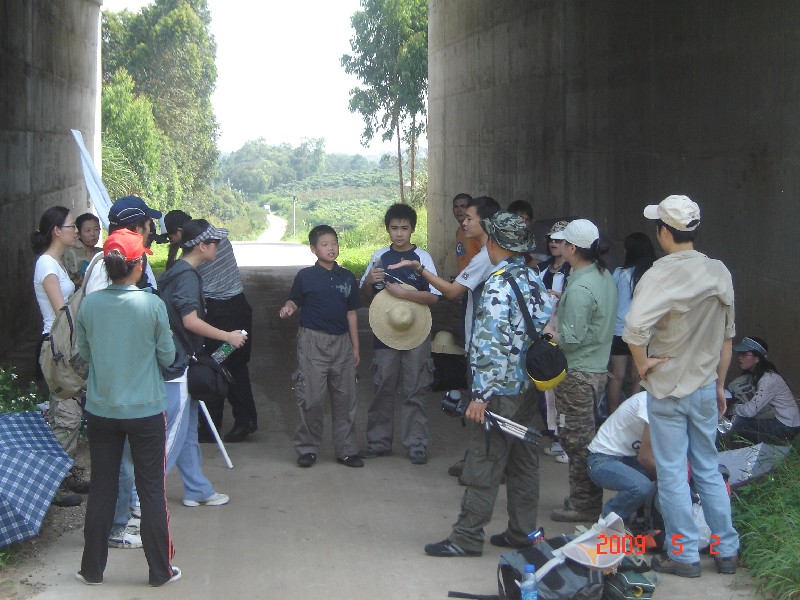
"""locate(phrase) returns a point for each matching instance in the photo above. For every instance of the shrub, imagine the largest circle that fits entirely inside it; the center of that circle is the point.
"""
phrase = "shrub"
(14, 398)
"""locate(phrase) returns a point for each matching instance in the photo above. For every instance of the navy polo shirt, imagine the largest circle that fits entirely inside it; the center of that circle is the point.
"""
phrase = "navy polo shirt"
(325, 297)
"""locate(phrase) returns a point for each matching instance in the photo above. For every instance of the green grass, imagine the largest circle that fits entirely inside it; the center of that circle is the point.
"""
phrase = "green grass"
(767, 515)
(357, 244)
(159, 259)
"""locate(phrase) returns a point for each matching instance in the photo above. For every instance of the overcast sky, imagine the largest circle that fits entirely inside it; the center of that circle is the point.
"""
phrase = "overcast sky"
(278, 72)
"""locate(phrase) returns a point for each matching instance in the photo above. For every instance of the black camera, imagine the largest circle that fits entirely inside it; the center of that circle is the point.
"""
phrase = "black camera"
(454, 404)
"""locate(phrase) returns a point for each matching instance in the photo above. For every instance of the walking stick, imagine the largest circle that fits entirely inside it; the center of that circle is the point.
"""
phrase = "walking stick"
(216, 435)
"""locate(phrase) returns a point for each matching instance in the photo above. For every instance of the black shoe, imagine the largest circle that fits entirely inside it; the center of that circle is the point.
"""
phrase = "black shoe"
(418, 457)
(67, 500)
(239, 432)
(354, 460)
(664, 564)
(456, 469)
(501, 541)
(726, 565)
(306, 460)
(75, 482)
(447, 549)
(370, 453)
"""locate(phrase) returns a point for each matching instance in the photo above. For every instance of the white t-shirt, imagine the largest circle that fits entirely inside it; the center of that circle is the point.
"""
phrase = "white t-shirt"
(621, 434)
(47, 265)
(98, 279)
(475, 274)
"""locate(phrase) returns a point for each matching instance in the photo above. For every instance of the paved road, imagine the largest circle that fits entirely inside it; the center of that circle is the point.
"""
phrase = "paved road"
(275, 231)
(326, 532)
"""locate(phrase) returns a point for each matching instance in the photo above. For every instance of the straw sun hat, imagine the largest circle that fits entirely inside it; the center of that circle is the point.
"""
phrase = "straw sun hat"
(398, 323)
(445, 343)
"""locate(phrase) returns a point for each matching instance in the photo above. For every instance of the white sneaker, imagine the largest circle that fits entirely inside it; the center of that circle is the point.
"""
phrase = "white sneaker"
(214, 499)
(176, 575)
(563, 458)
(126, 540)
(555, 449)
(79, 577)
(133, 526)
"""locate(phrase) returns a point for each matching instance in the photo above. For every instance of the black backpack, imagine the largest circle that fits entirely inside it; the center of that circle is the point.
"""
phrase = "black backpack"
(567, 581)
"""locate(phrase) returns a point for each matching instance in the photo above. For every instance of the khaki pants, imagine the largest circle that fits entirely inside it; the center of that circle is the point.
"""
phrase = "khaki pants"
(483, 473)
(64, 419)
(325, 366)
(409, 372)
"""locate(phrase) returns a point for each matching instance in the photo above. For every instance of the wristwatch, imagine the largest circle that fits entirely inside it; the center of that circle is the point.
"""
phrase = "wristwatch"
(420, 270)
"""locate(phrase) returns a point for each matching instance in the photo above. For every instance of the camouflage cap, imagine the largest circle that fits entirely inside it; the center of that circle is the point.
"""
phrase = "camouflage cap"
(557, 226)
(509, 232)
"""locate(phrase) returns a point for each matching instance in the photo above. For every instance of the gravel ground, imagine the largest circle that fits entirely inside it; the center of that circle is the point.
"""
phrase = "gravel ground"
(15, 582)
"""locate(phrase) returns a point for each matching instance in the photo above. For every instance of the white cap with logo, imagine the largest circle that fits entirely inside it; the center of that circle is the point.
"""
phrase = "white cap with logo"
(679, 212)
(581, 232)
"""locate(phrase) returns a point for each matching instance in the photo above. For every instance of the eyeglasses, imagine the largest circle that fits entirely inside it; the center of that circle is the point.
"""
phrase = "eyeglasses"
(212, 241)
(70, 225)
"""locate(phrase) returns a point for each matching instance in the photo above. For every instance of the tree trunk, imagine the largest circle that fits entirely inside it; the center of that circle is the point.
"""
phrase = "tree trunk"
(412, 151)
(400, 161)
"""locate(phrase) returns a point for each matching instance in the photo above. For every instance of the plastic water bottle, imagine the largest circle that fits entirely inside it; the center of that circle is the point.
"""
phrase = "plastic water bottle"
(224, 351)
(527, 587)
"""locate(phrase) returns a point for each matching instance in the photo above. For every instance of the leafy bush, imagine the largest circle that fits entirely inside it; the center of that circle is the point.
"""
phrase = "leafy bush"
(13, 398)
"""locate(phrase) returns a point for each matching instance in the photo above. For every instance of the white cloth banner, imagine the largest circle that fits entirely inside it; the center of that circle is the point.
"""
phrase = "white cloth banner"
(94, 185)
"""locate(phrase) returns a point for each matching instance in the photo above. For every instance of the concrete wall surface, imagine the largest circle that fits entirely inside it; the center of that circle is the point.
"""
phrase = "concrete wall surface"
(49, 75)
(598, 108)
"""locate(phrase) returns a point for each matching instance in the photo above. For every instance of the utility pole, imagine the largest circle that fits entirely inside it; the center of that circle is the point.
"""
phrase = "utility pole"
(294, 217)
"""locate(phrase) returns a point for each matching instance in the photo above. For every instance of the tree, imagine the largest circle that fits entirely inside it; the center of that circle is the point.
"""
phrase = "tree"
(170, 54)
(133, 145)
(390, 58)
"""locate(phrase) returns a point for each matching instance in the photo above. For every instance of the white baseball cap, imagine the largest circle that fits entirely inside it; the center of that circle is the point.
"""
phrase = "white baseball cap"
(679, 212)
(581, 232)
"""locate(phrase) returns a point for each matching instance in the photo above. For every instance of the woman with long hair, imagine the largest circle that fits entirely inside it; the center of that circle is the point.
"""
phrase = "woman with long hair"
(586, 315)
(181, 289)
(770, 412)
(639, 256)
(124, 334)
(53, 287)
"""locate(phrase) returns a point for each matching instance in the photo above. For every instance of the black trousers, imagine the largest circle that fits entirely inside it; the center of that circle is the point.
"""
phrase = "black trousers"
(147, 438)
(230, 315)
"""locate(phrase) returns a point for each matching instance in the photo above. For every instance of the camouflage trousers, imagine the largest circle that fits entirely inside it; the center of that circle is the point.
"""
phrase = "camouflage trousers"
(576, 398)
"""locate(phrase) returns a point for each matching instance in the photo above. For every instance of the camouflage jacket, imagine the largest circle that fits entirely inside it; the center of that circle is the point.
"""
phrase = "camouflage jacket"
(499, 338)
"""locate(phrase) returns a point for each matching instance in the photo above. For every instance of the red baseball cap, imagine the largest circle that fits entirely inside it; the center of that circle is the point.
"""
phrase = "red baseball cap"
(128, 243)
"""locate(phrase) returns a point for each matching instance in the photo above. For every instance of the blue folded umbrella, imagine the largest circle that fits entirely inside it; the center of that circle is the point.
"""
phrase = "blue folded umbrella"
(32, 466)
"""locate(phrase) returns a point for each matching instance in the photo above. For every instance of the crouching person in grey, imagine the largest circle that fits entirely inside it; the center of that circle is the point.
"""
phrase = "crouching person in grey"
(500, 383)
(124, 334)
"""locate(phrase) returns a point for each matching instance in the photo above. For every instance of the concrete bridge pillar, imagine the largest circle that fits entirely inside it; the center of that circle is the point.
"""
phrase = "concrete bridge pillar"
(598, 108)
(49, 63)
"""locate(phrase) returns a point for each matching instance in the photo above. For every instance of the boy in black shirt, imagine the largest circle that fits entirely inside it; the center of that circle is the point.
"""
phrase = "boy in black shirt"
(327, 350)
